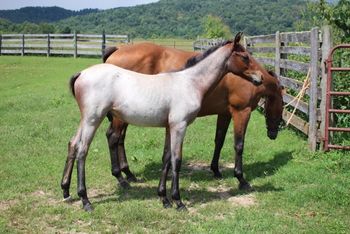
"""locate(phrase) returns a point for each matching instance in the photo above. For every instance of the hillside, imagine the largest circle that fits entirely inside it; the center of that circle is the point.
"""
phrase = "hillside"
(41, 14)
(165, 18)
(183, 18)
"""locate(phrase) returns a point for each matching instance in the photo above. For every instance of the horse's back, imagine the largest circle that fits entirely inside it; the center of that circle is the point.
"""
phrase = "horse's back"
(149, 58)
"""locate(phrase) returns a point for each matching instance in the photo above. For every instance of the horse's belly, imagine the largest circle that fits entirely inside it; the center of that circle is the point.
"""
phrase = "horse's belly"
(146, 118)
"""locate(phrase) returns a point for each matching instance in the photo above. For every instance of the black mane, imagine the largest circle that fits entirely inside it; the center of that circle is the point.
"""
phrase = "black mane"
(196, 59)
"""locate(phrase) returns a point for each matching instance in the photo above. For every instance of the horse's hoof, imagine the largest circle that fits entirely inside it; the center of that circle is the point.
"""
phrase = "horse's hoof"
(181, 207)
(132, 179)
(245, 187)
(166, 203)
(68, 199)
(88, 207)
(124, 184)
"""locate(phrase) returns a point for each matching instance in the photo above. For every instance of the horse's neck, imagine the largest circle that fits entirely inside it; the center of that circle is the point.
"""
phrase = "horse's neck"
(208, 72)
(270, 87)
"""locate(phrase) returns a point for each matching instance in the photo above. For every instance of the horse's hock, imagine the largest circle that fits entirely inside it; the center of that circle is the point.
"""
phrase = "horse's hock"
(299, 59)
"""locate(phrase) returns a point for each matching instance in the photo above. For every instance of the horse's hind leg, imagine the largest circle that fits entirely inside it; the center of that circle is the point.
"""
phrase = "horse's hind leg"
(123, 162)
(222, 123)
(113, 136)
(67, 172)
(88, 128)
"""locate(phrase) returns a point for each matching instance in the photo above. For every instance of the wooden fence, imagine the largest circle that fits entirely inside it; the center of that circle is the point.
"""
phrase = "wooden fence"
(58, 44)
(294, 57)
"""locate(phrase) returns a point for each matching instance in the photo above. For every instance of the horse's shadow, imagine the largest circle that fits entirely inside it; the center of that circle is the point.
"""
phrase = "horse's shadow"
(143, 191)
(203, 173)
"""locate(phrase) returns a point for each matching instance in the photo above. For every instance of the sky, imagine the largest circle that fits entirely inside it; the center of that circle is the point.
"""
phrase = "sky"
(71, 4)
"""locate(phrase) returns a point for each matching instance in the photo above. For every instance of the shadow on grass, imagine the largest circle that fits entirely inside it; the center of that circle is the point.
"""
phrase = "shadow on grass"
(203, 173)
(144, 191)
(194, 196)
(269, 168)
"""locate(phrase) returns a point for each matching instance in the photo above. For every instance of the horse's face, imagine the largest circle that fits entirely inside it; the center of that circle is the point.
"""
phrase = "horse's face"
(242, 64)
(274, 111)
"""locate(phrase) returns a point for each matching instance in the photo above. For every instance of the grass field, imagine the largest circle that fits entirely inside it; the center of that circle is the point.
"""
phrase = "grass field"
(295, 191)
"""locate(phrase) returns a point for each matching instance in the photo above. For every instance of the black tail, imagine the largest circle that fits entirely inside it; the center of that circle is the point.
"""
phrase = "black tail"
(108, 51)
(72, 81)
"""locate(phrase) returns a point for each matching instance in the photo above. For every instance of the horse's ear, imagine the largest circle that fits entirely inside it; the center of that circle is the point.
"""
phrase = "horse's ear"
(238, 38)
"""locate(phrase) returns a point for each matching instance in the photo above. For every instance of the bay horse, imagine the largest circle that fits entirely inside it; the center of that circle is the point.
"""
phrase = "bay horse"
(232, 99)
(150, 101)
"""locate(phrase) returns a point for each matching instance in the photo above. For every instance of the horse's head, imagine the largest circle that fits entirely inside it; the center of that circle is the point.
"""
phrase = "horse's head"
(274, 108)
(241, 63)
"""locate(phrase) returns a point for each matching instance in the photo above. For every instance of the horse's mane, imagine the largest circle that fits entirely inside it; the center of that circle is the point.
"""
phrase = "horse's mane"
(197, 58)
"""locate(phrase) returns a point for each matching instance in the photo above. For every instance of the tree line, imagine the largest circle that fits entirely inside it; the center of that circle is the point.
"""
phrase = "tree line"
(187, 18)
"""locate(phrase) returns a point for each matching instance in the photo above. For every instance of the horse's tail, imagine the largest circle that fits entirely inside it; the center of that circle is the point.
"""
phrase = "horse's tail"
(108, 51)
(72, 81)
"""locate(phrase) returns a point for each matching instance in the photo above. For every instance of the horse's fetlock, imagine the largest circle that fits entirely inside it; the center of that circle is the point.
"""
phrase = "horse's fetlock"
(175, 195)
(82, 193)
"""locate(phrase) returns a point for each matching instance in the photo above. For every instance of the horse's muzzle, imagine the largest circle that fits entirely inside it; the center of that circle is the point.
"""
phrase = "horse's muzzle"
(256, 78)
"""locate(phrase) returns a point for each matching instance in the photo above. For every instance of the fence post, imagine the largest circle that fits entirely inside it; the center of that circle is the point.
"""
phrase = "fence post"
(103, 43)
(48, 45)
(327, 45)
(283, 56)
(313, 90)
(75, 41)
(0, 43)
(22, 52)
(278, 54)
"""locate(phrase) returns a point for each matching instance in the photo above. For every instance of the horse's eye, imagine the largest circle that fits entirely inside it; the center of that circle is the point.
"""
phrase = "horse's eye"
(245, 58)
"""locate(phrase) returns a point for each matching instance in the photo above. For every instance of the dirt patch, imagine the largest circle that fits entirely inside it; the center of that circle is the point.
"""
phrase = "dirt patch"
(223, 192)
(197, 166)
(7, 204)
(243, 200)
(46, 197)
(205, 166)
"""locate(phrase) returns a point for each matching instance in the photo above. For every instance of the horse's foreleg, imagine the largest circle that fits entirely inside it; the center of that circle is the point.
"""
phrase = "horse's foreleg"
(222, 123)
(123, 162)
(113, 136)
(177, 134)
(165, 170)
(240, 119)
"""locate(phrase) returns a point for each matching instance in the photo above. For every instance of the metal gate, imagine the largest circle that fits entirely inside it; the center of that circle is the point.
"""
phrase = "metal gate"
(329, 93)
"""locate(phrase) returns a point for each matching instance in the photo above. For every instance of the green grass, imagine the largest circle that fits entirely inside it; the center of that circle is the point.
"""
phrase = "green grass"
(295, 190)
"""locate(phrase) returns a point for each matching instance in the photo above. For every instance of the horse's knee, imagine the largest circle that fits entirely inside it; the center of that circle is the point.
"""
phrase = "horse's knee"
(239, 147)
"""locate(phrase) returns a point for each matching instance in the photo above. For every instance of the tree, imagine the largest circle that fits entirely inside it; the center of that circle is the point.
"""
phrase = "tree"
(336, 15)
(214, 27)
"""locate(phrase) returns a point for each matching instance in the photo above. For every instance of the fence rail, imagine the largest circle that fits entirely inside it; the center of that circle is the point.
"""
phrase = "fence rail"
(59, 44)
